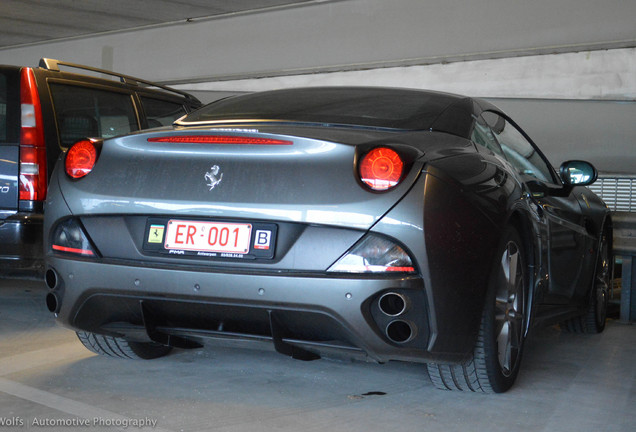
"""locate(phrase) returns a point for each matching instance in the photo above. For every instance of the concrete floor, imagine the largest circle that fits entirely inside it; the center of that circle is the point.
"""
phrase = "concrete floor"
(49, 381)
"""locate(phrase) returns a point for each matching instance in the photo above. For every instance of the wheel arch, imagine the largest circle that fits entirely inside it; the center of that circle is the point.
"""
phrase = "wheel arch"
(607, 224)
(524, 227)
(605, 227)
(532, 250)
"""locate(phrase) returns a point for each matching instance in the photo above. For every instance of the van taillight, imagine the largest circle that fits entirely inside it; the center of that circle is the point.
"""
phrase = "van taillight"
(33, 173)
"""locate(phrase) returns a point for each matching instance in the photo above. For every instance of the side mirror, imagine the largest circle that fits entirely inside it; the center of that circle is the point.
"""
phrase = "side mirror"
(578, 173)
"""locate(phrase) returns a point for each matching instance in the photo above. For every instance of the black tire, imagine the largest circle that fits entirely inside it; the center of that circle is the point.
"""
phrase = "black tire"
(593, 321)
(121, 348)
(494, 363)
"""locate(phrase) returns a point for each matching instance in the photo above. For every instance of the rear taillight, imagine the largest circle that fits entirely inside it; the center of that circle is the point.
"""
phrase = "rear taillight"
(219, 139)
(381, 169)
(80, 159)
(33, 173)
(374, 254)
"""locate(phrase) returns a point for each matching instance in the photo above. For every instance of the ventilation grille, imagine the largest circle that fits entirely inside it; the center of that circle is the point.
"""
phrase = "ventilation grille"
(619, 193)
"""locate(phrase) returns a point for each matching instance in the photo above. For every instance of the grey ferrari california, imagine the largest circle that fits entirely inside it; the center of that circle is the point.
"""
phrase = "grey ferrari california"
(374, 223)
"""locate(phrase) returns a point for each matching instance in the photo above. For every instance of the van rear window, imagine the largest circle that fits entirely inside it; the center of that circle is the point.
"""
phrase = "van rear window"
(9, 105)
(3, 108)
(160, 112)
(84, 112)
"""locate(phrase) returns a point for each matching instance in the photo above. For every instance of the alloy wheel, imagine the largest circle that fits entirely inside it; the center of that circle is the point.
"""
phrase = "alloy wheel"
(509, 308)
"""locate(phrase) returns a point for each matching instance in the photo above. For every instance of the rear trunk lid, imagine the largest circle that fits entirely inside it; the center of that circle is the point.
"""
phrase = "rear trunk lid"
(297, 177)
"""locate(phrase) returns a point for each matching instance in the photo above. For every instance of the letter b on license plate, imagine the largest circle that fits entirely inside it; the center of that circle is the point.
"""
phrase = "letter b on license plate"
(210, 239)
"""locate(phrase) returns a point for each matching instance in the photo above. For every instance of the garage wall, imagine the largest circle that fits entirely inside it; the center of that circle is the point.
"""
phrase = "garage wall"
(588, 75)
(346, 35)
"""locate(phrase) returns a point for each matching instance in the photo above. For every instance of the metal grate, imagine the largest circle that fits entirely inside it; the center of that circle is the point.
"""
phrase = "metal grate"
(619, 193)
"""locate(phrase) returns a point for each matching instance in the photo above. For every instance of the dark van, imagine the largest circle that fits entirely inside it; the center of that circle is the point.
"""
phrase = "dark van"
(43, 111)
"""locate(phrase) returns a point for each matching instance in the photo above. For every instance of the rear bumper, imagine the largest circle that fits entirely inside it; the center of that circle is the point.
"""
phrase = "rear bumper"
(314, 313)
(21, 243)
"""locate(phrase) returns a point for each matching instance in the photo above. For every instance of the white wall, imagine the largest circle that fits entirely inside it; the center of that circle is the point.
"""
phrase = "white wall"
(589, 75)
(346, 35)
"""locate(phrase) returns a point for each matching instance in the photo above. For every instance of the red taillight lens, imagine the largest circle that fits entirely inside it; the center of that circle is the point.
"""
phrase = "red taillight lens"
(32, 179)
(33, 172)
(381, 168)
(219, 139)
(80, 159)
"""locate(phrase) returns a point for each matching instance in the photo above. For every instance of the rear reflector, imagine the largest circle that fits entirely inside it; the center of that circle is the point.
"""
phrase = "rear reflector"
(69, 237)
(33, 171)
(87, 252)
(80, 159)
(381, 169)
(219, 139)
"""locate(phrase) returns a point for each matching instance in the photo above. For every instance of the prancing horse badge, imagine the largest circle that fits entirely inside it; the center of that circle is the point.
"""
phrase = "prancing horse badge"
(213, 177)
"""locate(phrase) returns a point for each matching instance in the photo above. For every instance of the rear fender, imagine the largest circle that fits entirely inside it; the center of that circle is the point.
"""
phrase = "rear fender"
(453, 241)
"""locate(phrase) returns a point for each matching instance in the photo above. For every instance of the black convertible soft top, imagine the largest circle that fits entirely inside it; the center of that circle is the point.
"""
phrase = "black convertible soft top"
(375, 107)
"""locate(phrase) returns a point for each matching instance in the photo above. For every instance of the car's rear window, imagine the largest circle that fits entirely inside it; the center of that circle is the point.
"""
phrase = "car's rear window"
(370, 107)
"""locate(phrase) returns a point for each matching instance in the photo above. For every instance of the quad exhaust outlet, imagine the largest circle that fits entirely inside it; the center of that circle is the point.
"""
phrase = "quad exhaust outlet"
(395, 305)
(400, 331)
(52, 303)
(53, 300)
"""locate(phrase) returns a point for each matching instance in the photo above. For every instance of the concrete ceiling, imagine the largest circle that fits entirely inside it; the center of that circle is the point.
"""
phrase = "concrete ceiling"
(31, 21)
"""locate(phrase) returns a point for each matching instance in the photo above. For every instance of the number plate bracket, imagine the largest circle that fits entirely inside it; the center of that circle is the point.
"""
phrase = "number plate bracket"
(210, 239)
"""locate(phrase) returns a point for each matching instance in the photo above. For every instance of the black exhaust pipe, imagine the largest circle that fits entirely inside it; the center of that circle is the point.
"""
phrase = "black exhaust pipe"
(52, 303)
(400, 331)
(51, 279)
(393, 304)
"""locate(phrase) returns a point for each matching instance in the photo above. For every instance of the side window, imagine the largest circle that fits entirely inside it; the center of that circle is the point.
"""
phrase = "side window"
(87, 112)
(3, 108)
(160, 112)
(517, 149)
(10, 106)
(483, 136)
